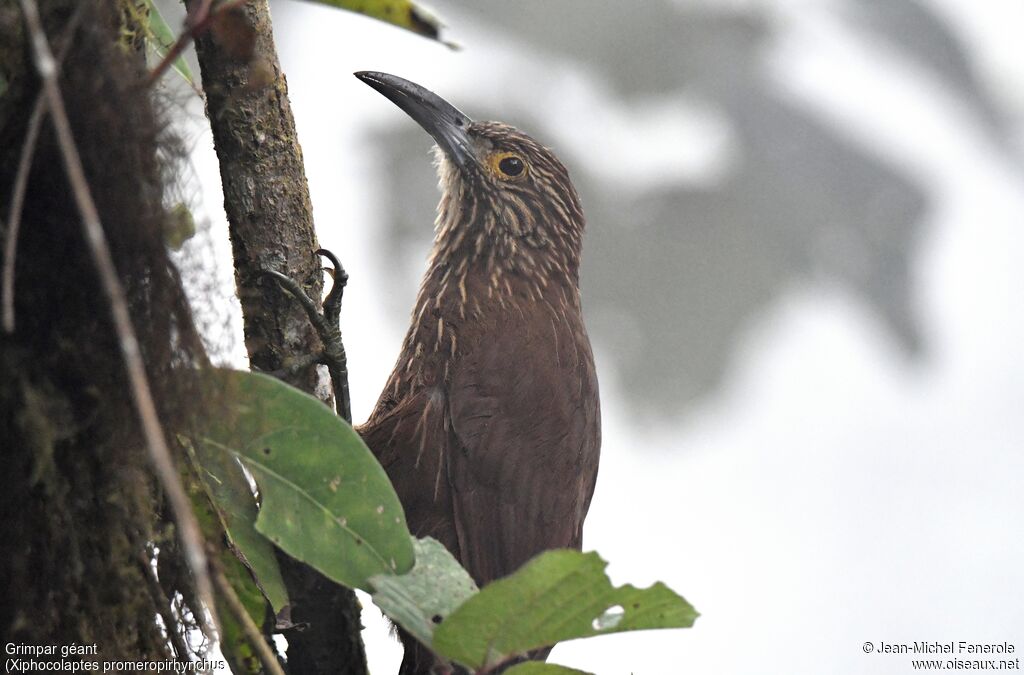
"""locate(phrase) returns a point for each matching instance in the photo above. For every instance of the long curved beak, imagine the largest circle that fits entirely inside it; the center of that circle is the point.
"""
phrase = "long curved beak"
(439, 118)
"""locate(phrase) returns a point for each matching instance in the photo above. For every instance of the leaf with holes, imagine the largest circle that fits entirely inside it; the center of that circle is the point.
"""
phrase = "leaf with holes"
(423, 598)
(402, 13)
(558, 595)
(324, 499)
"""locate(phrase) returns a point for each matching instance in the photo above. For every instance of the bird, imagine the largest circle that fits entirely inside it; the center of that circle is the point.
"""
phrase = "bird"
(489, 426)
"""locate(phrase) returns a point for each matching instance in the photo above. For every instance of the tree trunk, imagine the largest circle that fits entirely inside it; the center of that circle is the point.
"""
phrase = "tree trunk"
(271, 227)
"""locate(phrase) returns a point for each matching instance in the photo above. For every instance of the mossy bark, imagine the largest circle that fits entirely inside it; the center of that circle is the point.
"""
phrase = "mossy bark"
(79, 509)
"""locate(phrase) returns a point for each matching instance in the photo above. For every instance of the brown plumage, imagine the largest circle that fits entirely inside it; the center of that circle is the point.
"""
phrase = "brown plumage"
(489, 426)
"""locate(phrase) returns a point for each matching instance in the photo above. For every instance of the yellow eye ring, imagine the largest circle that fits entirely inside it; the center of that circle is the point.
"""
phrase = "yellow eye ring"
(508, 166)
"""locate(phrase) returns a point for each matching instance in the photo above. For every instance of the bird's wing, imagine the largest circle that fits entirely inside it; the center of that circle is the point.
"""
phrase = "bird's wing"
(408, 439)
(526, 434)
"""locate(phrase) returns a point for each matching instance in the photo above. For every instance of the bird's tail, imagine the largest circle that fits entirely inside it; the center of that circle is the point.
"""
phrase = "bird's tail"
(419, 660)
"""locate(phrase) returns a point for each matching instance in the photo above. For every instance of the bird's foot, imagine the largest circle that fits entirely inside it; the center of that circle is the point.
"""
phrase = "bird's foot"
(326, 323)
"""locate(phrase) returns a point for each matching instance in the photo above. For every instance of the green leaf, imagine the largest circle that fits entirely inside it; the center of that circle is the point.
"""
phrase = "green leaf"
(423, 598)
(559, 595)
(402, 13)
(538, 668)
(161, 38)
(324, 498)
(229, 491)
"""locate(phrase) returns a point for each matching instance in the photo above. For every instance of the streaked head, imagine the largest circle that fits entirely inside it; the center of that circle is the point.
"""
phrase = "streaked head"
(494, 179)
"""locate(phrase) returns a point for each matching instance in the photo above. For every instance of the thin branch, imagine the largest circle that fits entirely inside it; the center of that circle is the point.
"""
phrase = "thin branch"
(252, 633)
(202, 11)
(35, 124)
(159, 453)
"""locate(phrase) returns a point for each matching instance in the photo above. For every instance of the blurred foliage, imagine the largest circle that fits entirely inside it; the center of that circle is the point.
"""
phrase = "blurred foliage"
(180, 227)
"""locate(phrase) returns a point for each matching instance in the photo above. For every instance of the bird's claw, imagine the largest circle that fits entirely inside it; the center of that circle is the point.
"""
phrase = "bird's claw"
(326, 323)
(318, 319)
(339, 279)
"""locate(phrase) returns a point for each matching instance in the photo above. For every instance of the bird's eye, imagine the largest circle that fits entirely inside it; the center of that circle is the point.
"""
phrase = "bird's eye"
(511, 166)
(508, 165)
